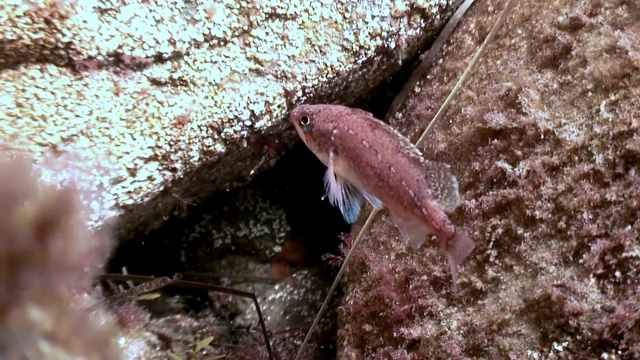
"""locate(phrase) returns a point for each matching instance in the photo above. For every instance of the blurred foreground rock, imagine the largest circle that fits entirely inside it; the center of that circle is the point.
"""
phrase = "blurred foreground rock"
(48, 258)
(544, 138)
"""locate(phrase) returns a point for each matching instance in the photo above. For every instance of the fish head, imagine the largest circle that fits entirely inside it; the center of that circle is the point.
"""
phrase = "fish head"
(315, 124)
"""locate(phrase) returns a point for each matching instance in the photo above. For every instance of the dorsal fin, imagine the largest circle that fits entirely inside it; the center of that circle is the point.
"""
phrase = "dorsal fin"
(443, 184)
(363, 112)
(403, 142)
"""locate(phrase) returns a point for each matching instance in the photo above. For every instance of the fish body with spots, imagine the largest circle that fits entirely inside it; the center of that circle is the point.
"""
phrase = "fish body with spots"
(368, 159)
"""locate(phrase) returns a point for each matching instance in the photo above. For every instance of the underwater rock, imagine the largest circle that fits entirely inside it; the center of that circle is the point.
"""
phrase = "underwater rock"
(541, 138)
(145, 104)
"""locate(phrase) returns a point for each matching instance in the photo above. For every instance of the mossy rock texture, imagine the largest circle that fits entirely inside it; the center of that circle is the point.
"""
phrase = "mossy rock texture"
(544, 138)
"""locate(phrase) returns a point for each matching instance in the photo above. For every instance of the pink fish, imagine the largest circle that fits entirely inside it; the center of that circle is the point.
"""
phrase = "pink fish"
(368, 159)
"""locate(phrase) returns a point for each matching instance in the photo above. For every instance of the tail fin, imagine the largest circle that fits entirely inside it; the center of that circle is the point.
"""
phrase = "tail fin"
(457, 248)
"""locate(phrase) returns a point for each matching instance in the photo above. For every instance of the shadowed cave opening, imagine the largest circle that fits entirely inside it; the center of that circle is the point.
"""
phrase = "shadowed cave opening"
(295, 227)
(294, 185)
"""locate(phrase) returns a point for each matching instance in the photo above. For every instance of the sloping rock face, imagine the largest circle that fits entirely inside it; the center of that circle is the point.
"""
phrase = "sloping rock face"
(147, 105)
(544, 138)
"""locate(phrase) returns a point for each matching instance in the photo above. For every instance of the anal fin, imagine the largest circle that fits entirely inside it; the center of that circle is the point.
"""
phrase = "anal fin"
(413, 232)
(374, 201)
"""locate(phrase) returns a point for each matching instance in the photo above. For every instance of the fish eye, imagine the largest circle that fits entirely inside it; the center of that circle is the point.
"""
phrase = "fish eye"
(305, 122)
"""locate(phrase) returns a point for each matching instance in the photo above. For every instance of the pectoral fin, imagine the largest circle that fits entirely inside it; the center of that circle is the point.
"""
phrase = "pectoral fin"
(342, 194)
(346, 196)
(413, 232)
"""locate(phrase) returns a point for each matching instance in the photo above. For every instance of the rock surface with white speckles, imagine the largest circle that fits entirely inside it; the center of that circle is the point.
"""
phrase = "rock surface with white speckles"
(295, 301)
(129, 98)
